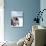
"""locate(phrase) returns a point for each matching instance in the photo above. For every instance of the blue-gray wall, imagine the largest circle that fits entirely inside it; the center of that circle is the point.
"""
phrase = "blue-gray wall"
(29, 7)
(43, 6)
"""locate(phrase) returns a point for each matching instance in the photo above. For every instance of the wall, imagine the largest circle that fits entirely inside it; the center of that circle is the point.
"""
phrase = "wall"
(29, 7)
(43, 6)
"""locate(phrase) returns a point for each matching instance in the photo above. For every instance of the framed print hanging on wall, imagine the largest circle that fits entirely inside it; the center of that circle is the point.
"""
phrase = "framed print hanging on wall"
(17, 18)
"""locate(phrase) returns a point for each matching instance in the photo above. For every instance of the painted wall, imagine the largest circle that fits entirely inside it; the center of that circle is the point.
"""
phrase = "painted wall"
(43, 6)
(29, 7)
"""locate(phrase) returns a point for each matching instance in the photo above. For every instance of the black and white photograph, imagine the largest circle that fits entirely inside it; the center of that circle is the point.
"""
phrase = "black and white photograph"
(17, 19)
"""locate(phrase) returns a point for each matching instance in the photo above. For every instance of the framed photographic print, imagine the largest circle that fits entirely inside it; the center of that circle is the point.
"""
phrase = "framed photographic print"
(17, 18)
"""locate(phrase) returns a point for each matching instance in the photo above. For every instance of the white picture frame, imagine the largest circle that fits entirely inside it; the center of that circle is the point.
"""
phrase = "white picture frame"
(16, 18)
